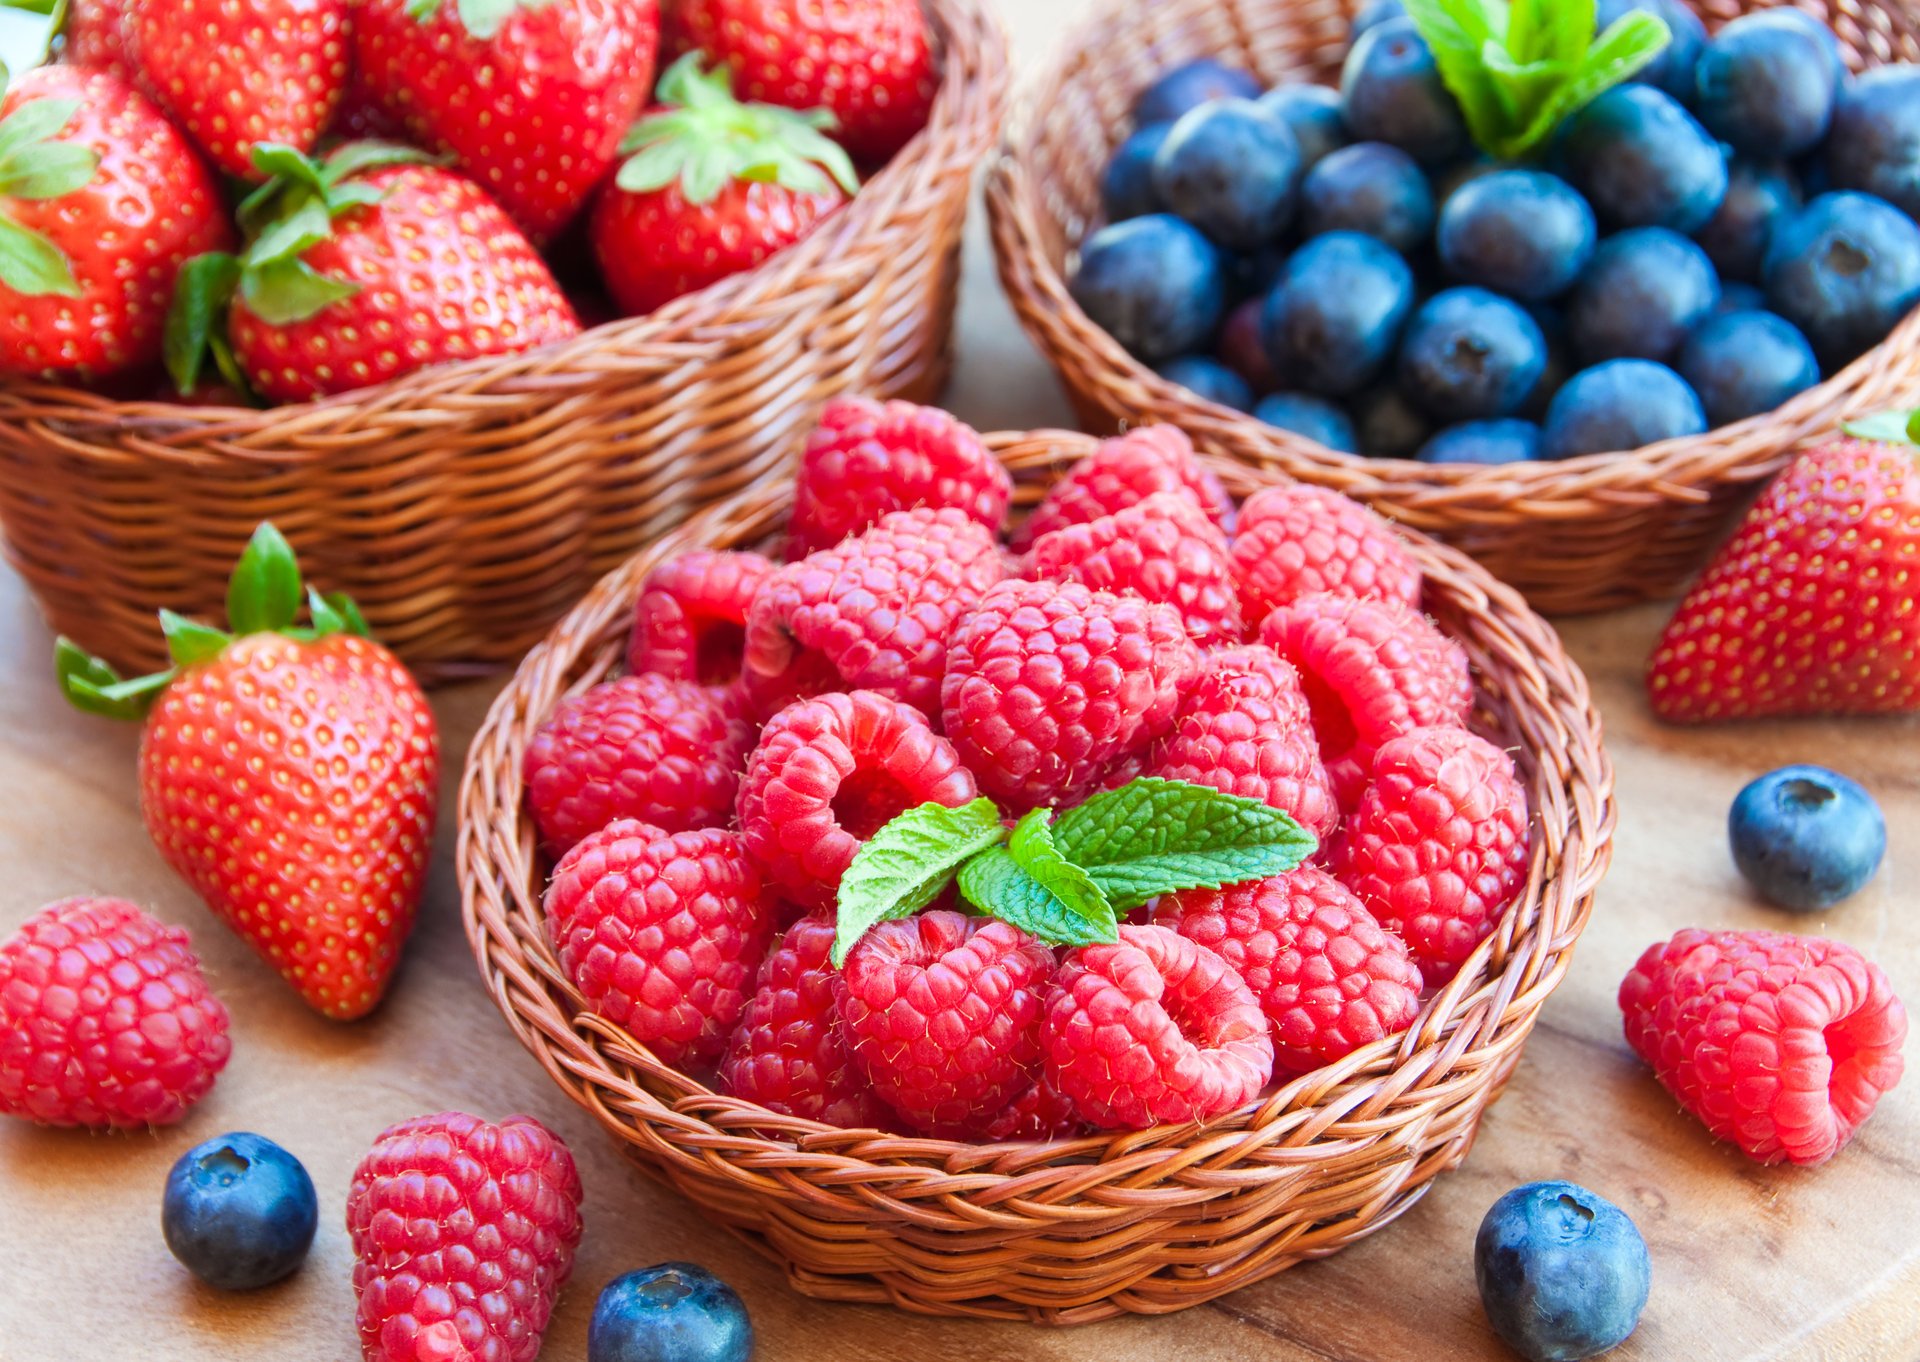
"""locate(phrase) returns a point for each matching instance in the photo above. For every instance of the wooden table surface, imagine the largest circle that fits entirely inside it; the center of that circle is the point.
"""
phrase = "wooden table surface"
(1749, 1263)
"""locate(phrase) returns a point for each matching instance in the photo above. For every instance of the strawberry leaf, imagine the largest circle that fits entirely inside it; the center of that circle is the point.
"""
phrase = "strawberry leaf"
(93, 686)
(27, 29)
(263, 595)
(198, 315)
(289, 291)
(32, 265)
(189, 642)
(903, 867)
(1887, 427)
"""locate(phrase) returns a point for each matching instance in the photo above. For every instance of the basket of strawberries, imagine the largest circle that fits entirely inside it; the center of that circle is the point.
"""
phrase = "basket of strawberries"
(1051, 927)
(471, 299)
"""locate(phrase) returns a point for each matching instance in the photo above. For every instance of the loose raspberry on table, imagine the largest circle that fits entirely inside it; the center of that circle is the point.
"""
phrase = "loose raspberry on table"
(867, 458)
(690, 622)
(1050, 683)
(661, 933)
(1437, 846)
(942, 1013)
(874, 613)
(463, 1234)
(105, 1019)
(1123, 472)
(1329, 978)
(1154, 1028)
(1299, 540)
(1161, 549)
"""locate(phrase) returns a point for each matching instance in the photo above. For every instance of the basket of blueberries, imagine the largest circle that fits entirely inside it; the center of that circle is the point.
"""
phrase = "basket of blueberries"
(1562, 282)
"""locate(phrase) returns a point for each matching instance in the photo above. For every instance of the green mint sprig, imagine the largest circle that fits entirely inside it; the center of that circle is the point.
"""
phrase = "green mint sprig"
(904, 866)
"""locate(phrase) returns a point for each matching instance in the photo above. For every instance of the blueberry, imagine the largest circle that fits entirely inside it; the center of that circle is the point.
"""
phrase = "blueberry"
(1619, 405)
(239, 1211)
(1231, 169)
(1373, 14)
(1314, 417)
(1470, 354)
(1765, 87)
(1241, 348)
(1333, 319)
(1642, 161)
(1523, 233)
(1844, 269)
(1312, 115)
(1739, 297)
(1186, 88)
(1391, 91)
(1253, 274)
(1389, 426)
(1824, 38)
(1875, 145)
(1368, 187)
(1154, 284)
(1563, 1273)
(1672, 69)
(1759, 194)
(672, 1312)
(1806, 837)
(1645, 290)
(1209, 379)
(1483, 442)
(1126, 190)
(1744, 363)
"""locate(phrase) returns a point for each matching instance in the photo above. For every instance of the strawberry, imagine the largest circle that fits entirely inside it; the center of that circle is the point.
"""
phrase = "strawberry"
(101, 203)
(289, 774)
(94, 37)
(867, 62)
(530, 96)
(712, 187)
(1813, 607)
(238, 76)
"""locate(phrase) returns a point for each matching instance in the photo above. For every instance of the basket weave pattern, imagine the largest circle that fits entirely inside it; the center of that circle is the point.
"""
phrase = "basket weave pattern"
(1583, 534)
(466, 507)
(1142, 1222)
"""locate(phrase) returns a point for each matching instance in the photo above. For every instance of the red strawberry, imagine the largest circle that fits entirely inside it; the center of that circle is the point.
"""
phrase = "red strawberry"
(531, 96)
(94, 37)
(1813, 607)
(712, 187)
(289, 775)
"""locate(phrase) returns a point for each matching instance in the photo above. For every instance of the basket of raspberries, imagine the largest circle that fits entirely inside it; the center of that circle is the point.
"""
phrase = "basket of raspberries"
(1031, 876)
(1559, 282)
(472, 297)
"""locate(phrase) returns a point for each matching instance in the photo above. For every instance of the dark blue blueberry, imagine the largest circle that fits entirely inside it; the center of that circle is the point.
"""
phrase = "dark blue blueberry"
(1242, 347)
(1744, 363)
(1875, 144)
(672, 1312)
(1186, 88)
(1844, 269)
(1314, 417)
(1523, 233)
(1766, 87)
(1333, 319)
(1252, 274)
(239, 1211)
(1126, 191)
(1642, 161)
(1368, 187)
(1373, 14)
(1231, 169)
(1469, 354)
(1672, 69)
(1484, 442)
(1825, 38)
(1644, 292)
(1209, 379)
(1389, 426)
(1391, 91)
(1620, 405)
(1312, 114)
(1806, 837)
(1450, 179)
(1154, 284)
(1759, 194)
(1739, 297)
(1563, 1273)
(1559, 363)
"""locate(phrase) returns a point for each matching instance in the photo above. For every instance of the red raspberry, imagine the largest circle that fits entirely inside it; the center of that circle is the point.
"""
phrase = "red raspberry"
(1154, 1028)
(456, 1222)
(661, 933)
(666, 752)
(787, 1053)
(1299, 540)
(1162, 549)
(874, 613)
(1328, 977)
(942, 1013)
(1039, 1114)
(1437, 846)
(828, 774)
(690, 622)
(1782, 1044)
(1125, 471)
(1049, 683)
(1244, 727)
(105, 1019)
(866, 459)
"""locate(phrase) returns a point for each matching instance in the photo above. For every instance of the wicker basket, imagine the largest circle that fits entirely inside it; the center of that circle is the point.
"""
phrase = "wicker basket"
(1585, 534)
(466, 507)
(1143, 1222)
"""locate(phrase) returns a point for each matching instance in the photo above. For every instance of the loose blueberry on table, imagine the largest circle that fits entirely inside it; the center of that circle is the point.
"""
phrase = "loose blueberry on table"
(1806, 838)
(673, 1312)
(239, 1212)
(1563, 1272)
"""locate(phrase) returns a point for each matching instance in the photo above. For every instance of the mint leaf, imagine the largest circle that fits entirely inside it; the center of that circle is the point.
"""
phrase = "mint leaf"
(904, 866)
(1064, 910)
(1034, 851)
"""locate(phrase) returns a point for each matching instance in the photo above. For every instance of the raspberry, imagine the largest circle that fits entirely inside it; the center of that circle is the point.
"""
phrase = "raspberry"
(463, 1234)
(942, 1013)
(828, 774)
(661, 933)
(105, 1019)
(1298, 540)
(866, 459)
(1048, 683)
(1162, 549)
(1328, 977)
(874, 613)
(666, 752)
(1040, 1113)
(1782, 1044)
(1123, 472)
(1151, 1029)
(690, 622)
(1437, 846)
(1243, 726)
(786, 1053)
